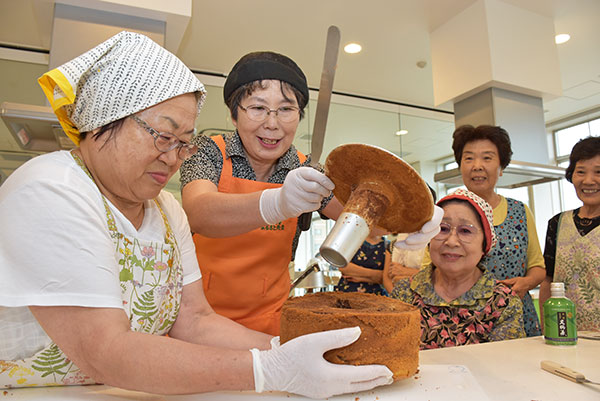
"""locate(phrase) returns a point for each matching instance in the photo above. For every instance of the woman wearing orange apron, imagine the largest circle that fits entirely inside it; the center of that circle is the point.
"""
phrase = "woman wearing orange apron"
(254, 298)
(243, 192)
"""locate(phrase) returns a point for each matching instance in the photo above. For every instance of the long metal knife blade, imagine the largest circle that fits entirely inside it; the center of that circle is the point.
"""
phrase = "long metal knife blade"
(332, 48)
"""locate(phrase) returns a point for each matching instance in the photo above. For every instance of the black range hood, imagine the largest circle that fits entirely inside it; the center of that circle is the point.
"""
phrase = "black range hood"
(517, 174)
(35, 128)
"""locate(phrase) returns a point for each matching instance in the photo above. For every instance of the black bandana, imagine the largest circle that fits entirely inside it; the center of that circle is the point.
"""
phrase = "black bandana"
(257, 69)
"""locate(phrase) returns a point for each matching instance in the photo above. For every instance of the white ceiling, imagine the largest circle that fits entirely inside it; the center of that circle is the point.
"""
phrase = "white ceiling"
(394, 35)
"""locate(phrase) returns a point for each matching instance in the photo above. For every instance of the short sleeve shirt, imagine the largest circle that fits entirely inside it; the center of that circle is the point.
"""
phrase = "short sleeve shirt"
(55, 245)
(207, 164)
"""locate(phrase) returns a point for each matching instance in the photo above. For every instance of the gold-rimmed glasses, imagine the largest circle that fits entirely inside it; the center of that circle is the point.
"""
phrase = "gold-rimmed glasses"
(466, 233)
(165, 142)
(259, 113)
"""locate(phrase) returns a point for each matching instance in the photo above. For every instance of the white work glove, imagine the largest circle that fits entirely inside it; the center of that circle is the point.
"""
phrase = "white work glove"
(298, 367)
(303, 190)
(420, 239)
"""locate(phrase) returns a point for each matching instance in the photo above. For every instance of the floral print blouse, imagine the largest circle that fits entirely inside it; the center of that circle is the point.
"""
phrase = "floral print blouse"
(370, 256)
(489, 311)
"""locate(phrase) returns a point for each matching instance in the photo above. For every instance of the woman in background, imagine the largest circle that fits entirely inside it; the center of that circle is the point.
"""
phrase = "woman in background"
(572, 251)
(482, 153)
(364, 273)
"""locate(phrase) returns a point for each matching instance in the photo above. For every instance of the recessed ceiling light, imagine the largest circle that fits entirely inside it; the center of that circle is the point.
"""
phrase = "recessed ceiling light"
(562, 38)
(352, 48)
(401, 132)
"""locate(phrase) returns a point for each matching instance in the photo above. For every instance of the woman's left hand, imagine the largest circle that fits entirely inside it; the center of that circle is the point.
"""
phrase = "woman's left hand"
(535, 275)
(420, 239)
(518, 284)
(298, 367)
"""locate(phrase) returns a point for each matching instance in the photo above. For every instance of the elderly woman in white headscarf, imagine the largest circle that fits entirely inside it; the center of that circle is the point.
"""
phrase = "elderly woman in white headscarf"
(97, 263)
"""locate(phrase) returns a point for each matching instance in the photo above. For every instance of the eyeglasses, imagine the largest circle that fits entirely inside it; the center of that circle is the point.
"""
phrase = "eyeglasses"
(466, 233)
(165, 142)
(259, 113)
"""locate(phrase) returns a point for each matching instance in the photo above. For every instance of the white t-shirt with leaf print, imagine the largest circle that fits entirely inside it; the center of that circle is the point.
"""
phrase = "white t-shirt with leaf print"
(56, 249)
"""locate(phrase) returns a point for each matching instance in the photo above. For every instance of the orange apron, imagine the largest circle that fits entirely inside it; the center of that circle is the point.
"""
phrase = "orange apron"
(245, 277)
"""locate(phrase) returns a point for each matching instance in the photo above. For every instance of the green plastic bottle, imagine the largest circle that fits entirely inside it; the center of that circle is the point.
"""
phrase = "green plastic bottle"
(559, 317)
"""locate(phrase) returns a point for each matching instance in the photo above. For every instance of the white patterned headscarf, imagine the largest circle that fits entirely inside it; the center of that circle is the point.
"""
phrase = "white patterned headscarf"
(121, 76)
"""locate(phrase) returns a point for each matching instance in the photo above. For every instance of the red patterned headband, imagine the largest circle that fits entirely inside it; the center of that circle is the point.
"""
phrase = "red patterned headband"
(484, 210)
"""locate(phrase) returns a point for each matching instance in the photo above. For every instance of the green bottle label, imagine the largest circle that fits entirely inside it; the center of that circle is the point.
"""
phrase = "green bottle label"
(559, 322)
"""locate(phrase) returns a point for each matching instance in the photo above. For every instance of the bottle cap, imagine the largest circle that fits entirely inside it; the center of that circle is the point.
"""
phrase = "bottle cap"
(555, 286)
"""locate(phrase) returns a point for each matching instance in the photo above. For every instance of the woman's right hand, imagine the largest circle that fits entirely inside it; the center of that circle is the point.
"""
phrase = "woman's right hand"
(303, 190)
(298, 367)
(398, 271)
(358, 274)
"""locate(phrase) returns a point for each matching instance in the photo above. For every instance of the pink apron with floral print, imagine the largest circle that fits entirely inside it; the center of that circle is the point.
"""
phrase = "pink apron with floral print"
(151, 280)
(578, 266)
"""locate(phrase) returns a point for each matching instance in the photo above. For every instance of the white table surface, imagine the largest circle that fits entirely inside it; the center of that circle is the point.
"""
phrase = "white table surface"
(504, 370)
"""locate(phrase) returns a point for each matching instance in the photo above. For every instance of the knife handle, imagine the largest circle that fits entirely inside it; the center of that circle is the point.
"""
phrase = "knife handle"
(562, 371)
(304, 221)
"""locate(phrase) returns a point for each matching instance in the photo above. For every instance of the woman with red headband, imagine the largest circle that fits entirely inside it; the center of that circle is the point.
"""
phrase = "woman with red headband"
(461, 302)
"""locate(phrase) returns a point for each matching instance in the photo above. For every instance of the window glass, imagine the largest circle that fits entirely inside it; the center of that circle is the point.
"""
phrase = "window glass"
(568, 137)
(595, 127)
(450, 166)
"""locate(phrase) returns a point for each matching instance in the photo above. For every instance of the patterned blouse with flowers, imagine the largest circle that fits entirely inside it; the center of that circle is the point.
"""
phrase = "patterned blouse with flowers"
(489, 311)
(370, 256)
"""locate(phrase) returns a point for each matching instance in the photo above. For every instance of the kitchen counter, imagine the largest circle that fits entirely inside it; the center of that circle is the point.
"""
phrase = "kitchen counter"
(510, 370)
(504, 370)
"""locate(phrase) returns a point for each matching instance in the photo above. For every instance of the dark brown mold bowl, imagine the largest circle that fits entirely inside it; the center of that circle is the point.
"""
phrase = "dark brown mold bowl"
(383, 177)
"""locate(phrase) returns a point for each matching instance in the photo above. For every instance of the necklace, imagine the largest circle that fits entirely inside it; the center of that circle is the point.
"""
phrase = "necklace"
(586, 221)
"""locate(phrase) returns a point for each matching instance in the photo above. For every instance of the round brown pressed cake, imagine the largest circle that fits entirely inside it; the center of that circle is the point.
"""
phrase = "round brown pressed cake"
(391, 329)
(392, 180)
